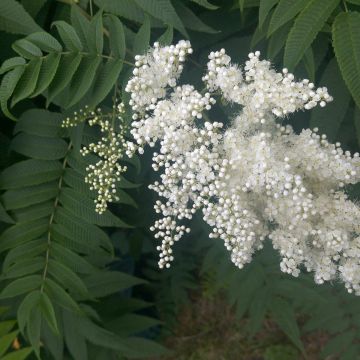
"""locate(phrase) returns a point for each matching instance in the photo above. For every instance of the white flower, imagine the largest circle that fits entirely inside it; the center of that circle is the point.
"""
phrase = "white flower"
(254, 180)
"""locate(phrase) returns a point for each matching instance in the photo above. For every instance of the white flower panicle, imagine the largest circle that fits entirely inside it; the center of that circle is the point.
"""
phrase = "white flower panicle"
(106, 172)
(256, 179)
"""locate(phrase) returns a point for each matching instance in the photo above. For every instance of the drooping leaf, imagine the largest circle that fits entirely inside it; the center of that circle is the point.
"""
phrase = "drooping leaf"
(285, 317)
(68, 36)
(284, 12)
(45, 42)
(277, 40)
(305, 28)
(117, 38)
(309, 62)
(96, 34)
(21, 286)
(27, 83)
(29, 172)
(18, 354)
(11, 63)
(14, 18)
(163, 10)
(47, 72)
(6, 341)
(167, 37)
(7, 87)
(26, 49)
(65, 72)
(264, 9)
(105, 80)
(4, 216)
(205, 4)
(83, 78)
(142, 38)
(346, 41)
(48, 311)
(329, 118)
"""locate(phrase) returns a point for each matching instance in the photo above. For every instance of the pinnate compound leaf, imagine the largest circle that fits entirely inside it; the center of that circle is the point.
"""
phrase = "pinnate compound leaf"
(346, 41)
(15, 19)
(167, 37)
(18, 354)
(82, 27)
(306, 26)
(29, 302)
(6, 341)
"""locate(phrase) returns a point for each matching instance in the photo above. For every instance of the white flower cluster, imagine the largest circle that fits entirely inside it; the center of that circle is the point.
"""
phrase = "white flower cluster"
(253, 180)
(106, 172)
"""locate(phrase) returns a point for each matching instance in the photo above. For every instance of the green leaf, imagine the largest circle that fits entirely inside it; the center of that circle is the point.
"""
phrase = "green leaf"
(126, 8)
(24, 267)
(357, 123)
(71, 259)
(277, 41)
(33, 212)
(27, 83)
(103, 283)
(19, 234)
(66, 70)
(355, 2)
(4, 217)
(257, 310)
(82, 27)
(141, 347)
(60, 296)
(96, 34)
(285, 317)
(45, 42)
(38, 147)
(346, 41)
(205, 4)
(84, 208)
(7, 87)
(191, 21)
(117, 38)
(20, 198)
(21, 286)
(306, 26)
(284, 12)
(14, 18)
(29, 172)
(48, 311)
(6, 326)
(11, 63)
(6, 341)
(83, 79)
(26, 49)
(29, 250)
(48, 69)
(130, 324)
(105, 80)
(167, 37)
(34, 328)
(338, 344)
(68, 36)
(164, 11)
(309, 63)
(23, 313)
(329, 118)
(40, 122)
(18, 354)
(142, 38)
(67, 278)
(264, 9)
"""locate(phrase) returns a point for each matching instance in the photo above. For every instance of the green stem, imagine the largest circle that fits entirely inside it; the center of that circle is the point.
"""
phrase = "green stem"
(51, 220)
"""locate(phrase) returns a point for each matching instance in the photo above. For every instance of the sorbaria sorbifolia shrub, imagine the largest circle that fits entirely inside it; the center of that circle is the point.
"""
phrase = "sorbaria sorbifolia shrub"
(252, 180)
